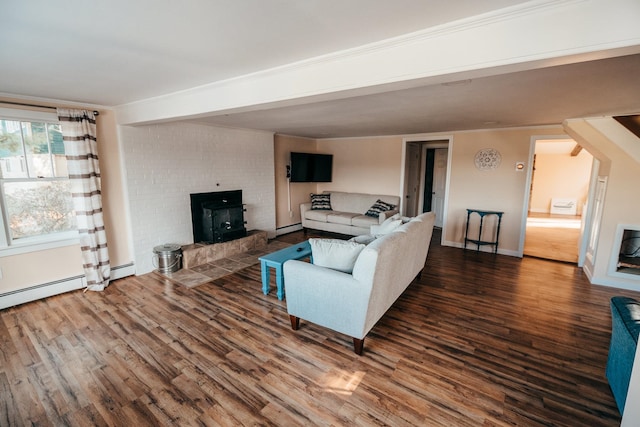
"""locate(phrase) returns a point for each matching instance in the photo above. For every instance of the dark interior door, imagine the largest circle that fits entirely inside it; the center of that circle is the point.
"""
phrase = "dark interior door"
(428, 181)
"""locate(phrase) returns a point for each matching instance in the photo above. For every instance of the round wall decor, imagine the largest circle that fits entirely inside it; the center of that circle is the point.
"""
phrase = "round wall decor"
(487, 158)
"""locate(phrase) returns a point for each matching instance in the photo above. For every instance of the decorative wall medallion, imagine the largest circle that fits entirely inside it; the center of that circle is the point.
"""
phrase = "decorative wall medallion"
(487, 159)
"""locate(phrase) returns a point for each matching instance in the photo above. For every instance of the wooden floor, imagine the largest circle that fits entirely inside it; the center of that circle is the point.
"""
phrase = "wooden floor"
(554, 237)
(479, 340)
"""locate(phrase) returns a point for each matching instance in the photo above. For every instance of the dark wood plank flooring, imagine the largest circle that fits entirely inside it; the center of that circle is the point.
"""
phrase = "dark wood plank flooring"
(479, 340)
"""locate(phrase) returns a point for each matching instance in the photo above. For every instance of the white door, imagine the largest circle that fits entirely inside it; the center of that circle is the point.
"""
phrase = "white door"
(598, 206)
(439, 183)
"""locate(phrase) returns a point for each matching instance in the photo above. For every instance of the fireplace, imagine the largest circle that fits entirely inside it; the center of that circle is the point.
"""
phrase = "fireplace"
(217, 216)
(629, 250)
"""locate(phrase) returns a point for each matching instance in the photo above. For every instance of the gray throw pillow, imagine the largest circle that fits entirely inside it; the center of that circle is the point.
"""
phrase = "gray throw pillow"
(336, 254)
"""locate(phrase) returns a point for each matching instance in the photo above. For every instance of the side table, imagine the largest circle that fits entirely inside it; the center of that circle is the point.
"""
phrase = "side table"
(276, 259)
(479, 242)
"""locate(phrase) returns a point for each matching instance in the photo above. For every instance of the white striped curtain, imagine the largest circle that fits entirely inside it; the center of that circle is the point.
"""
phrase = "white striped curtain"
(81, 149)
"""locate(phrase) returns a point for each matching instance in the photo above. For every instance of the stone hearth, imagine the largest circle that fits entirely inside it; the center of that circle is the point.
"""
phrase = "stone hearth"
(203, 263)
(200, 253)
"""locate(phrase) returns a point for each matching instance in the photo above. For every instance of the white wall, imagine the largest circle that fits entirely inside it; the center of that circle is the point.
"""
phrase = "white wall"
(364, 165)
(502, 189)
(166, 163)
(289, 196)
(560, 175)
(607, 140)
(59, 269)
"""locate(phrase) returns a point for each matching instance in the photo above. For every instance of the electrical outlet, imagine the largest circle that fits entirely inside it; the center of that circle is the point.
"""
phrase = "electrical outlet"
(290, 214)
(0, 273)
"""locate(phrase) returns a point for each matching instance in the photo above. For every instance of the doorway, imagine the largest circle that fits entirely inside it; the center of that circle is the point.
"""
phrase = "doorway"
(425, 184)
(558, 195)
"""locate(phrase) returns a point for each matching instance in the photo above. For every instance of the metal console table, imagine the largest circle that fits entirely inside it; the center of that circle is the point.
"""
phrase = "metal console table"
(479, 242)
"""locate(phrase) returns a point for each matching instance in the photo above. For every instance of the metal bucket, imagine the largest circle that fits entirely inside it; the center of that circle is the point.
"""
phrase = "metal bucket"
(168, 257)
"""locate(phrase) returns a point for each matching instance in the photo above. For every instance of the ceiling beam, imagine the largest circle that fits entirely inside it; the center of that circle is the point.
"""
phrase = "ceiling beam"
(456, 51)
(576, 150)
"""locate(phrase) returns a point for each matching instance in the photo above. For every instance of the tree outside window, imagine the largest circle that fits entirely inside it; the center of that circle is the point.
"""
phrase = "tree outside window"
(36, 197)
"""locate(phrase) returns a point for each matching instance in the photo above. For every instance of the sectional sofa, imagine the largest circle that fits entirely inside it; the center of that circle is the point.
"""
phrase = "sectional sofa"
(352, 214)
(351, 299)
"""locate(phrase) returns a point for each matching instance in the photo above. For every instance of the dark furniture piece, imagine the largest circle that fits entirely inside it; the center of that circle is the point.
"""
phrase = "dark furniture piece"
(625, 327)
(479, 242)
(217, 216)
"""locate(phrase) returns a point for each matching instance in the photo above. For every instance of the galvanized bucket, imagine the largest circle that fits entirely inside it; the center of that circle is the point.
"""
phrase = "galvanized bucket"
(168, 257)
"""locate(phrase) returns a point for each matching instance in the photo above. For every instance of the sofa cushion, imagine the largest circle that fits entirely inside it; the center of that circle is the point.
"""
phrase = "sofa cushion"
(341, 217)
(350, 202)
(389, 225)
(363, 221)
(320, 202)
(379, 206)
(336, 254)
(358, 202)
(317, 215)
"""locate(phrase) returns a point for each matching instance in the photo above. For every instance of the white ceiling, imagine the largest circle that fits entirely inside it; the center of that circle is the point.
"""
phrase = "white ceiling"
(119, 52)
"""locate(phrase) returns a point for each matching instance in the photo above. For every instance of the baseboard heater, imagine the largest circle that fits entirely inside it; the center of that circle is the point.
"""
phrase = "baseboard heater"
(288, 229)
(564, 206)
(44, 290)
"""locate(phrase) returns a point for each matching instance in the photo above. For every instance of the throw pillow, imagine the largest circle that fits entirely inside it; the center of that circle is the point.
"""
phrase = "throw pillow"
(386, 227)
(336, 254)
(321, 202)
(379, 206)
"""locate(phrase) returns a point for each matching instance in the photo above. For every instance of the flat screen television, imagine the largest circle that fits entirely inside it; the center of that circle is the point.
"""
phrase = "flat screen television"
(311, 167)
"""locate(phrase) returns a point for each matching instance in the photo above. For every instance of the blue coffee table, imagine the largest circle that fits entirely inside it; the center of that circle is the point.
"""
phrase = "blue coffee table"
(276, 260)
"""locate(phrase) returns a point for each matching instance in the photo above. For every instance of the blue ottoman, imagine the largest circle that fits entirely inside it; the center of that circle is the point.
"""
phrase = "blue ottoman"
(625, 327)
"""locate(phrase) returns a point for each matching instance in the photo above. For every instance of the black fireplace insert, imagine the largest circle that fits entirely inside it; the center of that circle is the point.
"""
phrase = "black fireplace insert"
(217, 216)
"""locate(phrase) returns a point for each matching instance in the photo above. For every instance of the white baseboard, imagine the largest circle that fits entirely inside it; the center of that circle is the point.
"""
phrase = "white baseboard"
(288, 229)
(483, 248)
(21, 296)
(44, 290)
(613, 282)
(123, 271)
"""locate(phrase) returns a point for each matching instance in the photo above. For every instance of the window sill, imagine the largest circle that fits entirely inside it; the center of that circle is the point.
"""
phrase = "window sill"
(26, 248)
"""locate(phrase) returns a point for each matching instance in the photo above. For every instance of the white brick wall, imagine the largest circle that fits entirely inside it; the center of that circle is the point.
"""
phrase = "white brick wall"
(165, 163)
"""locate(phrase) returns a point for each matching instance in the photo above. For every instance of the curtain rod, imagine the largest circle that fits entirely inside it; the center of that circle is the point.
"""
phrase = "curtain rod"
(95, 113)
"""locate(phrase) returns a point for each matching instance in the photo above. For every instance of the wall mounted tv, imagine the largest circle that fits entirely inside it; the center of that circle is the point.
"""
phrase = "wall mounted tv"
(308, 167)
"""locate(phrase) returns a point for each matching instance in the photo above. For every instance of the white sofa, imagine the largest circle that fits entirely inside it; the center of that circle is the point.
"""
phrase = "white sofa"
(347, 214)
(352, 303)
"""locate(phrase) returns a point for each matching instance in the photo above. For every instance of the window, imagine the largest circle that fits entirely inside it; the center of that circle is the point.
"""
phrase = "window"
(34, 184)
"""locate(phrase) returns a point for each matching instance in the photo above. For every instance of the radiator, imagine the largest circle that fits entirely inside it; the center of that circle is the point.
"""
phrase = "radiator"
(564, 206)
